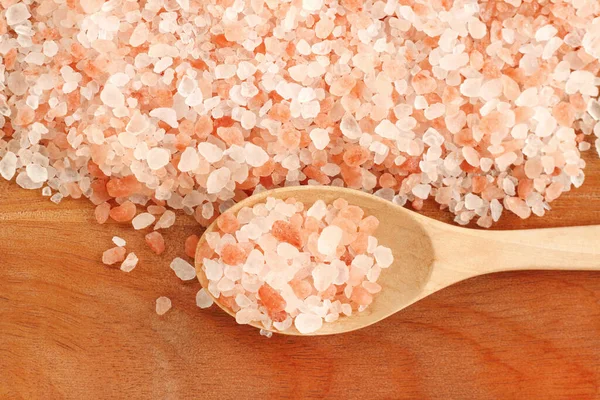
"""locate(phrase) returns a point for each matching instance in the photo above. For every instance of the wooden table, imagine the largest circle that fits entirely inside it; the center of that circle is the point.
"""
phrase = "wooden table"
(73, 328)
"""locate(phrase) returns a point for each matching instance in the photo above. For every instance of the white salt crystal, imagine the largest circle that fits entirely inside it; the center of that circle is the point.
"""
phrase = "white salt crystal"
(17, 13)
(317, 210)
(421, 191)
(225, 71)
(137, 124)
(212, 269)
(211, 153)
(387, 129)
(545, 33)
(217, 180)
(505, 160)
(37, 173)
(112, 96)
(163, 304)
(473, 202)
(139, 35)
(183, 269)
(255, 156)
(245, 70)
(324, 275)
(203, 299)
(50, 48)
(329, 240)
(350, 127)
(312, 5)
(189, 160)
(143, 220)
(308, 323)
(477, 29)
(452, 62)
(320, 138)
(383, 256)
(8, 165)
(158, 158)
(167, 115)
(129, 263)
(266, 333)
(119, 241)
(165, 221)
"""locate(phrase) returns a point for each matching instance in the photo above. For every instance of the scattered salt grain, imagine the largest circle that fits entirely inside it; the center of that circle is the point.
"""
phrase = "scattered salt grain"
(163, 304)
(203, 299)
(119, 241)
(129, 263)
(183, 269)
(143, 221)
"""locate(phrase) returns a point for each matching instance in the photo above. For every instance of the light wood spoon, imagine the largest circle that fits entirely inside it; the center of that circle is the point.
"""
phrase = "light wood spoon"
(430, 255)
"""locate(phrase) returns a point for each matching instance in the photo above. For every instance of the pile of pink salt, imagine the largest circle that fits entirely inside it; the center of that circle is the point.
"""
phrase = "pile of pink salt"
(279, 263)
(193, 105)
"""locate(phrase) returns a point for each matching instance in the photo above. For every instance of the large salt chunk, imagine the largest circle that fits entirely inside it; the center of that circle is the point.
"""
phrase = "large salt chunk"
(17, 13)
(158, 158)
(383, 256)
(329, 240)
(167, 115)
(129, 263)
(163, 304)
(37, 173)
(320, 138)
(189, 160)
(8, 165)
(386, 129)
(165, 221)
(308, 323)
(143, 221)
(211, 153)
(112, 96)
(217, 180)
(203, 299)
(255, 156)
(183, 269)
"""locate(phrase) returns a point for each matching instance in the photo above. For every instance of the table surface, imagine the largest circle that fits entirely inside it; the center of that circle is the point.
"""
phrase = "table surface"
(73, 328)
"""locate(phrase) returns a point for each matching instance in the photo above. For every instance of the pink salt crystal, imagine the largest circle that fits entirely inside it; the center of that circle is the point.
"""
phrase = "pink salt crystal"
(228, 223)
(285, 232)
(517, 206)
(361, 296)
(123, 213)
(272, 300)
(233, 254)
(156, 242)
(163, 304)
(342, 86)
(190, 245)
(368, 225)
(114, 255)
(423, 83)
(302, 289)
(102, 212)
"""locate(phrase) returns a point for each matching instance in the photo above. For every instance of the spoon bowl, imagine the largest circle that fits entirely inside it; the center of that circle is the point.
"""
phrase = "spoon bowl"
(430, 255)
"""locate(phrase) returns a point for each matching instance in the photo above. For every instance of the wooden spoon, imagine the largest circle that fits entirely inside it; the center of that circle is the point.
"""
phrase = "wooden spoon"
(430, 255)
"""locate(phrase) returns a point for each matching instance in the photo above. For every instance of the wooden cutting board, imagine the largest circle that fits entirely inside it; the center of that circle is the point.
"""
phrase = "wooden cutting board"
(73, 328)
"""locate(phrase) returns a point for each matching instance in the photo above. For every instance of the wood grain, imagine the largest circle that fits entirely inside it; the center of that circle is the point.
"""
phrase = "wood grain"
(72, 328)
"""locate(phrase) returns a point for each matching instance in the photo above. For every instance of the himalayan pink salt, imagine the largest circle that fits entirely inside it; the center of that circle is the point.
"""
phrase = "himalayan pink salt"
(114, 255)
(123, 213)
(102, 212)
(183, 269)
(203, 299)
(228, 223)
(304, 266)
(190, 245)
(156, 242)
(129, 263)
(163, 304)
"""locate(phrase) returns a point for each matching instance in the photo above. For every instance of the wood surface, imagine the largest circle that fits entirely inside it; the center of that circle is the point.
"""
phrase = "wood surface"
(73, 328)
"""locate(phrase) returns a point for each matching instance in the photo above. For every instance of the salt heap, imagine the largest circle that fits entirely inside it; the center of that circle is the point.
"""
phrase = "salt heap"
(279, 264)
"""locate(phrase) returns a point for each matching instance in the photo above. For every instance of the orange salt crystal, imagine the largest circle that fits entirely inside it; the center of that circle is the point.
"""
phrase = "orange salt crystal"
(352, 5)
(417, 204)
(357, 275)
(524, 188)
(355, 156)
(204, 251)
(156, 242)
(329, 293)
(296, 221)
(311, 224)
(123, 213)
(25, 116)
(114, 255)
(228, 223)
(280, 112)
(312, 172)
(272, 300)
(353, 213)
(10, 59)
(289, 137)
(102, 212)
(360, 243)
(123, 187)
(302, 289)
(479, 183)
(190, 245)
(231, 136)
(361, 297)
(368, 225)
(233, 254)
(423, 83)
(285, 232)
(411, 165)
(387, 180)
(564, 114)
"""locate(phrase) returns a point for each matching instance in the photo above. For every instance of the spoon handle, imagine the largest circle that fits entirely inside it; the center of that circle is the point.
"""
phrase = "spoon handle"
(572, 248)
